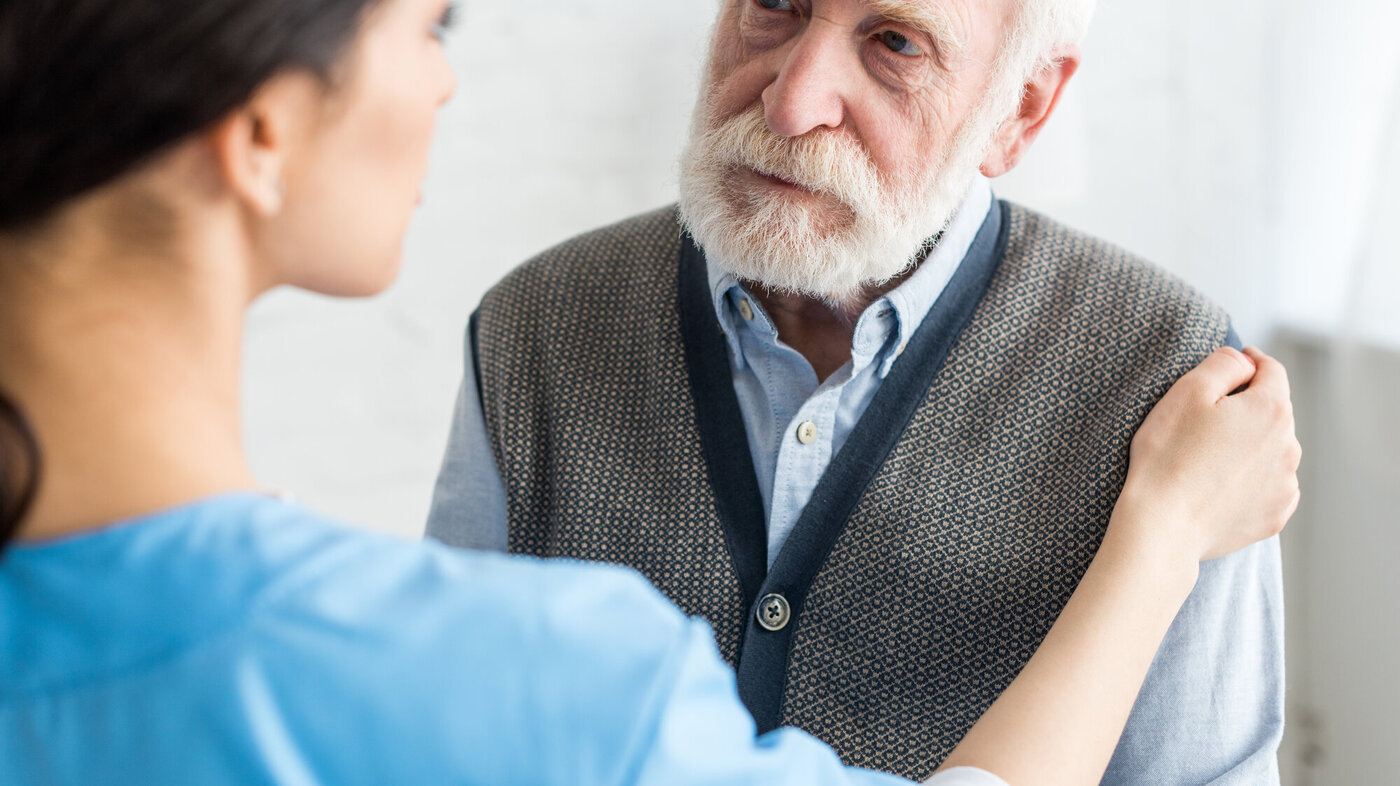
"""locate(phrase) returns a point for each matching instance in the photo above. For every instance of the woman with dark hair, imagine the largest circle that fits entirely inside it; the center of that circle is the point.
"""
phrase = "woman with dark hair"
(163, 621)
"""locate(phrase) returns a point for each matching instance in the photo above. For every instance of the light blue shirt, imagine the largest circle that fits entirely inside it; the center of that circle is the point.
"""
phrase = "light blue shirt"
(1211, 710)
(778, 389)
(243, 641)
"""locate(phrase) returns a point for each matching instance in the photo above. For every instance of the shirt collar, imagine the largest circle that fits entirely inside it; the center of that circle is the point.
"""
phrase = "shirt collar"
(913, 299)
(907, 305)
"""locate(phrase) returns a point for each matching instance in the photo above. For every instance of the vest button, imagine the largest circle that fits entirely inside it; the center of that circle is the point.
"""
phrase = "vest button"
(774, 613)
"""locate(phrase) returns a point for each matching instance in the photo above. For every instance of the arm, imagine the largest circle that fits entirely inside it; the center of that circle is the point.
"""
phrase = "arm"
(1209, 473)
(1211, 710)
(469, 501)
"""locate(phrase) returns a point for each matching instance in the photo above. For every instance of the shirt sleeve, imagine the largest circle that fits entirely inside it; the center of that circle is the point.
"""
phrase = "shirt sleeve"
(469, 500)
(701, 734)
(391, 662)
(1211, 708)
(965, 776)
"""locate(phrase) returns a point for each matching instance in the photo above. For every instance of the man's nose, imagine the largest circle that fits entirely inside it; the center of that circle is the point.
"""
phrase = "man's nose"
(807, 92)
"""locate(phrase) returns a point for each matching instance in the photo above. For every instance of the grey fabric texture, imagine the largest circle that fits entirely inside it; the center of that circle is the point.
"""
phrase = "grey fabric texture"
(970, 538)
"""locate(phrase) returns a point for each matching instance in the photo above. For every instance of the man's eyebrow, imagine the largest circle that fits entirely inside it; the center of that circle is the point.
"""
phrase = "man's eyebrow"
(927, 17)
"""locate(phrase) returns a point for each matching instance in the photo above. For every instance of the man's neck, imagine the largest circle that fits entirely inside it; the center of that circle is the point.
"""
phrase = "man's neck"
(821, 331)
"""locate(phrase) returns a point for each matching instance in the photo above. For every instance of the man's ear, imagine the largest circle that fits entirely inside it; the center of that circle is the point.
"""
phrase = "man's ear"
(251, 145)
(1040, 97)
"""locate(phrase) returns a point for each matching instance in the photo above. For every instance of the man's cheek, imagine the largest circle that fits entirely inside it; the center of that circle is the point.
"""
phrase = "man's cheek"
(737, 93)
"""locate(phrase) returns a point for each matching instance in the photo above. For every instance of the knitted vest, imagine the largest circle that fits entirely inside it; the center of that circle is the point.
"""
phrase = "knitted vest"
(946, 536)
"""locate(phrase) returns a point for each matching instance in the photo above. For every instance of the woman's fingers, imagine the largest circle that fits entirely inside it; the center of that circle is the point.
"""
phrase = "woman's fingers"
(1222, 372)
(1220, 467)
(1269, 397)
(1271, 377)
(1264, 412)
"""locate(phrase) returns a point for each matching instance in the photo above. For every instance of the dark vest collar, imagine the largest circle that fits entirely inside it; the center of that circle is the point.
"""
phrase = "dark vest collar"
(724, 440)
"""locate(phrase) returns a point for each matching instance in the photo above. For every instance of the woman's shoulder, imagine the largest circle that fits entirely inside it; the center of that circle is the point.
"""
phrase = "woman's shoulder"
(469, 661)
(324, 566)
(375, 659)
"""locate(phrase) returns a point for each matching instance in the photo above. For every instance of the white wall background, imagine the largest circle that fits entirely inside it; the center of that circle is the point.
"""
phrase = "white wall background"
(1248, 145)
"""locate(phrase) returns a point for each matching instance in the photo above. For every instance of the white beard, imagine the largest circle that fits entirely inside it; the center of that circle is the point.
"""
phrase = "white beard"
(863, 233)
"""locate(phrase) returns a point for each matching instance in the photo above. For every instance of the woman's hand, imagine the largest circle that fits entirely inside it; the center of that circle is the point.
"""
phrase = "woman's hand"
(1211, 471)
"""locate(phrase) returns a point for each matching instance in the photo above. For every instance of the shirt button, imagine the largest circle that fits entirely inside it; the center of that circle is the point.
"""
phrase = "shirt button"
(901, 349)
(807, 433)
(745, 309)
(774, 613)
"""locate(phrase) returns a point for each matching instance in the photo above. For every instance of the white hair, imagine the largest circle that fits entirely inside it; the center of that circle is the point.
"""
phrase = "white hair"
(1040, 30)
(1041, 27)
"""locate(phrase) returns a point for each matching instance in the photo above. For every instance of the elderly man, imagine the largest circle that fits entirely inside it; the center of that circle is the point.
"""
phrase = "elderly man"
(861, 416)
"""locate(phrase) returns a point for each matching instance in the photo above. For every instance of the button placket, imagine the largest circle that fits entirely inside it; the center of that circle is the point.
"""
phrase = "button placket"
(800, 464)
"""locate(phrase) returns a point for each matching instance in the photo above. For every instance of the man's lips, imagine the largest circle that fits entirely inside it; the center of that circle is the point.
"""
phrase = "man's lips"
(781, 182)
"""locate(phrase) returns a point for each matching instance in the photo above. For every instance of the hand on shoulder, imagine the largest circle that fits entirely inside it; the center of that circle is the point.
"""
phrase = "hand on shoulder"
(1214, 467)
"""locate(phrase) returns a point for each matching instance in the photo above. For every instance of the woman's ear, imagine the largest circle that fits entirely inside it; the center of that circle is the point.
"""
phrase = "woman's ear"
(1039, 99)
(253, 144)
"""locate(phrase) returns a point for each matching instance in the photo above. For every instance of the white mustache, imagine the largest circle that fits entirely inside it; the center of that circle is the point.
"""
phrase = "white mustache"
(825, 163)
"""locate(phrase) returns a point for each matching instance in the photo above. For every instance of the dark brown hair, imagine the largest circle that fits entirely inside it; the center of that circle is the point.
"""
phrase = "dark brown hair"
(19, 468)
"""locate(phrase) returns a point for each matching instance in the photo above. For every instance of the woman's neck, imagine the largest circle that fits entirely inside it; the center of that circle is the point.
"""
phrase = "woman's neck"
(127, 367)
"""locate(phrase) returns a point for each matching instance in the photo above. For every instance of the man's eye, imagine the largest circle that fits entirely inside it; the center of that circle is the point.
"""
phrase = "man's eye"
(775, 5)
(899, 44)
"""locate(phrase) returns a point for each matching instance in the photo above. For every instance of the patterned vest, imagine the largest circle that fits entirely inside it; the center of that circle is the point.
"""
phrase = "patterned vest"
(946, 535)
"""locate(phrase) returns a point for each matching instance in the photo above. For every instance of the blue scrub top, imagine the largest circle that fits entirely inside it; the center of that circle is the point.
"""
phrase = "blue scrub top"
(242, 640)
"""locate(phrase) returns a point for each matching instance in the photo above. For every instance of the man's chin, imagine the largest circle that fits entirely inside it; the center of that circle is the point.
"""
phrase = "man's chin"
(788, 264)
(846, 299)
